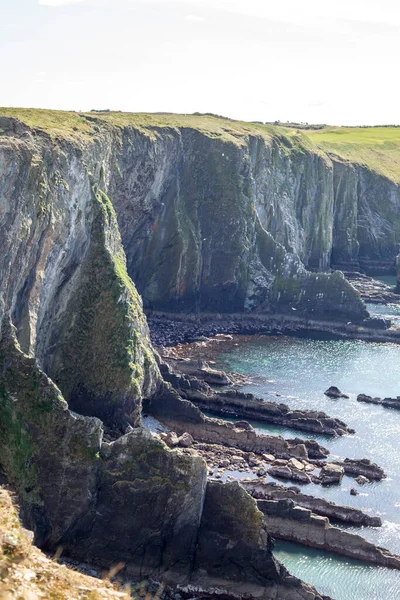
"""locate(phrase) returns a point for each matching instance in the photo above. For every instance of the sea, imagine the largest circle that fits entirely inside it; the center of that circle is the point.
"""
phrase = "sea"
(297, 371)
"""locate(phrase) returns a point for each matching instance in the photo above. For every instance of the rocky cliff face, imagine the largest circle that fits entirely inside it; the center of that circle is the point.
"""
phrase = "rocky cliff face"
(228, 225)
(75, 353)
(367, 219)
(202, 215)
(64, 279)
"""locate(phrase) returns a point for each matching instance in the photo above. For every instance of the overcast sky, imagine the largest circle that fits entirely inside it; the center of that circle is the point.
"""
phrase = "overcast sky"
(319, 61)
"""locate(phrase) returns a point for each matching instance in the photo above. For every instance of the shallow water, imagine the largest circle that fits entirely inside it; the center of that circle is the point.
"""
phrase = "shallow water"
(385, 311)
(301, 370)
(388, 279)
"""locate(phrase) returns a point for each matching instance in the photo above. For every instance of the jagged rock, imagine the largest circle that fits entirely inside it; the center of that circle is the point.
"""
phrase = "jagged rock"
(334, 392)
(387, 402)
(239, 549)
(235, 403)
(78, 492)
(353, 492)
(361, 466)
(181, 415)
(285, 520)
(331, 473)
(49, 454)
(262, 490)
(166, 487)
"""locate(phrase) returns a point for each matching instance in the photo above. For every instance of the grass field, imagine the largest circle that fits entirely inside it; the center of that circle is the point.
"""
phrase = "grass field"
(378, 148)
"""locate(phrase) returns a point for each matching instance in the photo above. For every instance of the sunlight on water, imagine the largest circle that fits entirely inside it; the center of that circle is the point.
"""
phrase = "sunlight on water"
(301, 370)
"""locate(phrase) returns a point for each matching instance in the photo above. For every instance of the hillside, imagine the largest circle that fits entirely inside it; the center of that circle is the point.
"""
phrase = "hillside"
(29, 574)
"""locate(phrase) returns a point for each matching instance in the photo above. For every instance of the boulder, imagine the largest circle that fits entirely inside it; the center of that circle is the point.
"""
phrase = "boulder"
(361, 480)
(170, 438)
(185, 440)
(331, 473)
(334, 392)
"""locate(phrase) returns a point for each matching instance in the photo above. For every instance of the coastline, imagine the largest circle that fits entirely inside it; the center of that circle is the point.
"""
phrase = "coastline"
(170, 329)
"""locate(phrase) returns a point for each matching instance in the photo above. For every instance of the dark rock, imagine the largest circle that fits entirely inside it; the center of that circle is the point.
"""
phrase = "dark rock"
(334, 392)
(262, 490)
(353, 492)
(331, 473)
(239, 549)
(387, 402)
(284, 520)
(362, 466)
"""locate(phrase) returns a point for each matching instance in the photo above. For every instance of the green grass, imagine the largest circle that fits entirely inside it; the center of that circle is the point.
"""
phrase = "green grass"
(74, 125)
(377, 148)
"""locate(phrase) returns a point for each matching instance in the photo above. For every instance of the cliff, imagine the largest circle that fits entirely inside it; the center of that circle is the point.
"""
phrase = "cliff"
(188, 213)
(214, 215)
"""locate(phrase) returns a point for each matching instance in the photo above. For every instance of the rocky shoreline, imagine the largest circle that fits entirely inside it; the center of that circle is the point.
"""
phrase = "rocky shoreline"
(170, 329)
(372, 290)
(235, 451)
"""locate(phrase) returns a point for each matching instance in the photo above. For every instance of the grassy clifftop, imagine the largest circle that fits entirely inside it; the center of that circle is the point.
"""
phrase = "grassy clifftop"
(81, 126)
(377, 148)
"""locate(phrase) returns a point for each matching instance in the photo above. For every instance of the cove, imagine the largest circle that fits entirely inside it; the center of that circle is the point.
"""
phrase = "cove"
(298, 371)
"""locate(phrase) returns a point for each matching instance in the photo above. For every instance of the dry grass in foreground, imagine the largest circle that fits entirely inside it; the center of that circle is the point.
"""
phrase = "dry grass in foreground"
(27, 574)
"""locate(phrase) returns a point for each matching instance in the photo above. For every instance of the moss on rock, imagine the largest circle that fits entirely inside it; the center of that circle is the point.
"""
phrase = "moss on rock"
(49, 455)
(103, 360)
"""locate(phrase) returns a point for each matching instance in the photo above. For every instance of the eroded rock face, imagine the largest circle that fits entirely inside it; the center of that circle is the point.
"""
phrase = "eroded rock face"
(49, 455)
(366, 219)
(223, 216)
(63, 276)
(100, 501)
(149, 506)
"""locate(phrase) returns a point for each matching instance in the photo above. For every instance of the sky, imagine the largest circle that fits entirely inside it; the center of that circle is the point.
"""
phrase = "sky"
(315, 61)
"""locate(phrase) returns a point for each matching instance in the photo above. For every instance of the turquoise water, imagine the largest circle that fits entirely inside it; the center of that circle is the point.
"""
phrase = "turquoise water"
(385, 311)
(388, 279)
(300, 370)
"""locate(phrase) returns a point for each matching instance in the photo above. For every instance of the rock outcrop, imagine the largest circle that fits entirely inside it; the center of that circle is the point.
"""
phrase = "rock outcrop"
(208, 222)
(285, 520)
(132, 500)
(78, 491)
(240, 548)
(387, 402)
(263, 490)
(233, 403)
(182, 416)
(202, 215)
